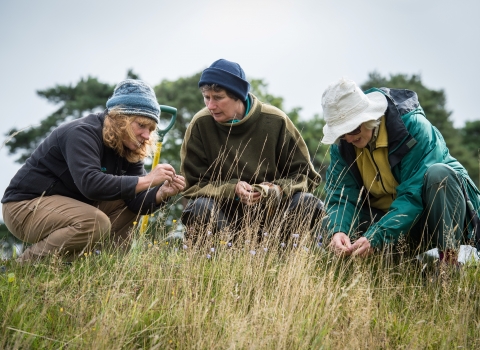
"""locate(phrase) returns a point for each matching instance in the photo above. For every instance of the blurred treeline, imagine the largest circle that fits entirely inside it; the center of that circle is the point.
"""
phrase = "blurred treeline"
(90, 95)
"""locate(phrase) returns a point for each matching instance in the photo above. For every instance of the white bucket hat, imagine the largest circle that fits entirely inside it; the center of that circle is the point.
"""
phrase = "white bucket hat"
(345, 107)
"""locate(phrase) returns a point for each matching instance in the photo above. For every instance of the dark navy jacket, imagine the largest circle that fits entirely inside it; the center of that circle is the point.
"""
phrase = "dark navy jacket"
(74, 162)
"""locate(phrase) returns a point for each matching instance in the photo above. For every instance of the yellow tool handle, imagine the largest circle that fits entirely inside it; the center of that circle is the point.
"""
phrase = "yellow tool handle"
(156, 159)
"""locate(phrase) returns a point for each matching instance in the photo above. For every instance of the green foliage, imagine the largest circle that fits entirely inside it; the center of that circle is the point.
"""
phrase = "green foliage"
(470, 136)
(132, 75)
(311, 129)
(434, 104)
(312, 132)
(260, 89)
(86, 96)
(3, 230)
(432, 101)
(9, 244)
(90, 95)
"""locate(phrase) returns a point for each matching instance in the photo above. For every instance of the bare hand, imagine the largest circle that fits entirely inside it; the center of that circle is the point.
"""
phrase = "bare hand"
(361, 248)
(158, 175)
(245, 192)
(170, 188)
(340, 244)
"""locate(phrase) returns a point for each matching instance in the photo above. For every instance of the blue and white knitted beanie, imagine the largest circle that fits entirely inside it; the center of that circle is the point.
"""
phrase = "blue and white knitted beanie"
(135, 97)
(228, 75)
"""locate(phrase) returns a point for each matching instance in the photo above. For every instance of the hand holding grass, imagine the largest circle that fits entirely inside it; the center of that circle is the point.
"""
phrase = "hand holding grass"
(361, 248)
(158, 175)
(170, 188)
(246, 194)
(342, 245)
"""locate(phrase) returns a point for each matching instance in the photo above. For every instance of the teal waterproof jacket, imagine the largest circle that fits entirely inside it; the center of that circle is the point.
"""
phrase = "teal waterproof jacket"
(414, 145)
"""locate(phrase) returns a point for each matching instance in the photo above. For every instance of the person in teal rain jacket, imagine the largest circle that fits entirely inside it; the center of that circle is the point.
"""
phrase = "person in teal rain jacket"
(391, 175)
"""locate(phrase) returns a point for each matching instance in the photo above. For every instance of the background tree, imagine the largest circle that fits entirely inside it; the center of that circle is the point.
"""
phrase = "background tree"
(470, 136)
(87, 95)
(90, 95)
(434, 105)
(312, 132)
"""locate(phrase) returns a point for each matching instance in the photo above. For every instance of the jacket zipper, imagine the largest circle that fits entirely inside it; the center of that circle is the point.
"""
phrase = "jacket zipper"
(377, 177)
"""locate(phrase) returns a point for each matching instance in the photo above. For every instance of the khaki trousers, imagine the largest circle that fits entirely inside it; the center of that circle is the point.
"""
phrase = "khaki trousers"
(65, 225)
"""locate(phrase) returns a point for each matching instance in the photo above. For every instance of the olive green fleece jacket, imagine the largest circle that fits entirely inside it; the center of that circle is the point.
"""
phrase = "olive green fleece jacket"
(263, 146)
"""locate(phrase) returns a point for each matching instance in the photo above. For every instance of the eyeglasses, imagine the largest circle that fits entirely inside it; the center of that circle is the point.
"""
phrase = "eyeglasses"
(354, 132)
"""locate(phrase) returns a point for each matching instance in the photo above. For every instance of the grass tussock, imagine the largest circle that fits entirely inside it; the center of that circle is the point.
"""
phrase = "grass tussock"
(251, 294)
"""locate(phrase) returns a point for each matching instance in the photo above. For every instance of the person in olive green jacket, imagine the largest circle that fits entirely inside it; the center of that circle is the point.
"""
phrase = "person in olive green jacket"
(240, 153)
(391, 175)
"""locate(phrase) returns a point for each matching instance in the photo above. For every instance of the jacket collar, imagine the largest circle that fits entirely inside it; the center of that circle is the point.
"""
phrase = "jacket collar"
(400, 102)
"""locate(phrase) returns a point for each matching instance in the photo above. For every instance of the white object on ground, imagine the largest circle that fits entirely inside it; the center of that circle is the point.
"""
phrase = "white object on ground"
(467, 253)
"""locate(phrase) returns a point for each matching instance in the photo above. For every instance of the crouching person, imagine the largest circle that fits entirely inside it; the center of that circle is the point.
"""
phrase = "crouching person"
(391, 176)
(244, 162)
(86, 181)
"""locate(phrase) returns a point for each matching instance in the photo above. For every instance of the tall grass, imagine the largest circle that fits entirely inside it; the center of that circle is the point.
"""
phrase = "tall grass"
(280, 291)
(175, 295)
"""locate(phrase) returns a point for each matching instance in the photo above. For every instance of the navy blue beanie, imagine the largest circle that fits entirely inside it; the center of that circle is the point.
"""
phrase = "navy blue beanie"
(228, 75)
(135, 97)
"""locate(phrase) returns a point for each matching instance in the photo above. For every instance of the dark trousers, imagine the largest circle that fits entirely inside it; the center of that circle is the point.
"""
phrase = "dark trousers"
(443, 221)
(301, 210)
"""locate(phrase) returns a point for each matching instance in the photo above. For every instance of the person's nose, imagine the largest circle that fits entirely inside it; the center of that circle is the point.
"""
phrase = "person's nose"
(146, 134)
(211, 104)
(350, 138)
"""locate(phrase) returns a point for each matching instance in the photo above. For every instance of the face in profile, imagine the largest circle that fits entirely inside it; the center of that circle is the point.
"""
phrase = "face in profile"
(140, 130)
(360, 137)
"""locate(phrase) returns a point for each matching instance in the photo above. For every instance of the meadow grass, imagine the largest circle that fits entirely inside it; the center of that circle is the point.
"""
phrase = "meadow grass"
(250, 295)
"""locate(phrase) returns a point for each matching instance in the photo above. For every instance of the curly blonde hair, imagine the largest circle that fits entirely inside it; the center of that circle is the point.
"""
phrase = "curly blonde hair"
(117, 125)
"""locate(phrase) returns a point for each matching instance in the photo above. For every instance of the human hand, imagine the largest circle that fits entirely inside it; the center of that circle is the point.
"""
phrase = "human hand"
(269, 190)
(361, 248)
(245, 192)
(340, 244)
(170, 188)
(158, 175)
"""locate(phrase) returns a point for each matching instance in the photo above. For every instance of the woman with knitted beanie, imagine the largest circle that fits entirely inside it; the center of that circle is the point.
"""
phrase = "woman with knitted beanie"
(241, 155)
(86, 181)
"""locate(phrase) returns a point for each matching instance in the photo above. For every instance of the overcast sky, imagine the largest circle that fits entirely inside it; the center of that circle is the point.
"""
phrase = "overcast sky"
(298, 47)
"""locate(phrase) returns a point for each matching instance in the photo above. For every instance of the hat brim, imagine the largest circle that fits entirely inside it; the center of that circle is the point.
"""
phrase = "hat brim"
(376, 108)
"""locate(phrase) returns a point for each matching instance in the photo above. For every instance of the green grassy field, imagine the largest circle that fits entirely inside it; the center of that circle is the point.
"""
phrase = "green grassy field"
(167, 295)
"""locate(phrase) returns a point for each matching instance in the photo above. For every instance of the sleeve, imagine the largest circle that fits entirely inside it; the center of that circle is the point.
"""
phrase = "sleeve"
(82, 150)
(407, 208)
(144, 202)
(297, 173)
(343, 196)
(197, 171)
